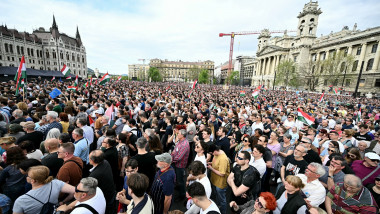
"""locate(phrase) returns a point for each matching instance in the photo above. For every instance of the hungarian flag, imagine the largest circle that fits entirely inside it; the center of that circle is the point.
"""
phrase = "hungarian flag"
(305, 118)
(255, 94)
(105, 78)
(110, 112)
(359, 117)
(335, 91)
(68, 78)
(21, 74)
(263, 88)
(76, 81)
(330, 87)
(91, 121)
(195, 84)
(242, 93)
(96, 81)
(86, 84)
(321, 98)
(119, 78)
(65, 70)
(52, 78)
(71, 88)
(22, 84)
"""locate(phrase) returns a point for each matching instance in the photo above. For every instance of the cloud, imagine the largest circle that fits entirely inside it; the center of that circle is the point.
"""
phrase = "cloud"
(117, 33)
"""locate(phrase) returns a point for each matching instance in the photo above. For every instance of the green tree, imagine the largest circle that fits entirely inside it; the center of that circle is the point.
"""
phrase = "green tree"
(312, 74)
(154, 74)
(194, 73)
(124, 78)
(233, 78)
(335, 67)
(204, 77)
(286, 74)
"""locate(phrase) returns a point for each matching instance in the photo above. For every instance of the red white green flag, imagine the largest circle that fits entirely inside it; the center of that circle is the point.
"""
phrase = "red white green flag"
(92, 123)
(195, 84)
(242, 93)
(65, 70)
(76, 81)
(335, 91)
(119, 78)
(52, 79)
(321, 98)
(104, 79)
(21, 74)
(71, 88)
(305, 118)
(255, 94)
(68, 78)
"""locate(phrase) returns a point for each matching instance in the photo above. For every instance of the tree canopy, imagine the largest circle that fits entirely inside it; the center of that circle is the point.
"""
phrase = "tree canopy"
(154, 74)
(204, 77)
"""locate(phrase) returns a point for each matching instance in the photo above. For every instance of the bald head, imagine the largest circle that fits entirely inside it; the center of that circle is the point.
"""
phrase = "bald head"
(51, 144)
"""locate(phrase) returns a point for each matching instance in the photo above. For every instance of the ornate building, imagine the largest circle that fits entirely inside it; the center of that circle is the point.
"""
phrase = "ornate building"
(43, 50)
(181, 71)
(305, 49)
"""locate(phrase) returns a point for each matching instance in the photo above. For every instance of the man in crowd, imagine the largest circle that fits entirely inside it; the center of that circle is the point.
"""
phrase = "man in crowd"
(367, 169)
(88, 132)
(258, 161)
(51, 160)
(222, 141)
(137, 187)
(311, 155)
(35, 136)
(53, 123)
(334, 172)
(314, 190)
(295, 163)
(81, 145)
(71, 170)
(198, 194)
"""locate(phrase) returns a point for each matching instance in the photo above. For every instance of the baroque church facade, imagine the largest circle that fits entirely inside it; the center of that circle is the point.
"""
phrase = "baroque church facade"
(309, 51)
(43, 50)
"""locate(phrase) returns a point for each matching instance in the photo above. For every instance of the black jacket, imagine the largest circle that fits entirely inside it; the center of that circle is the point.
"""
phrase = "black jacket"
(294, 202)
(103, 173)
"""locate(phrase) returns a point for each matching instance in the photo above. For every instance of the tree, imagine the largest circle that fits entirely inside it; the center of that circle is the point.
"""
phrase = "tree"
(233, 78)
(154, 74)
(204, 77)
(312, 74)
(286, 74)
(194, 73)
(124, 78)
(335, 67)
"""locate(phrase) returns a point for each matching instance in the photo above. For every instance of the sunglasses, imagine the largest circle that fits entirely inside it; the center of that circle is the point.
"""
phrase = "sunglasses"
(331, 150)
(374, 160)
(245, 140)
(77, 190)
(261, 206)
(302, 141)
(240, 158)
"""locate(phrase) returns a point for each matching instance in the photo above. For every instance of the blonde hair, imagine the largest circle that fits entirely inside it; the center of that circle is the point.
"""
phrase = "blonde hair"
(40, 174)
(22, 106)
(295, 181)
(8, 140)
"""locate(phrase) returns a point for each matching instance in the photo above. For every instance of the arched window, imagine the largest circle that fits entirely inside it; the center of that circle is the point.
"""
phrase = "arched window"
(73, 57)
(370, 64)
(47, 54)
(303, 21)
(312, 20)
(355, 65)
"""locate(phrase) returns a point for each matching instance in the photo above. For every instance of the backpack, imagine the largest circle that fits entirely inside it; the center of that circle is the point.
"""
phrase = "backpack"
(47, 208)
(87, 207)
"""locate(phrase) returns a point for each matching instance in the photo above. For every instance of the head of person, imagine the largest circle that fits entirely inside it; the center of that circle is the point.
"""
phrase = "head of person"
(352, 184)
(64, 138)
(243, 158)
(197, 192)
(353, 154)
(266, 202)
(38, 175)
(131, 167)
(222, 132)
(214, 150)
(274, 136)
(77, 134)
(164, 160)
(197, 168)
(377, 181)
(201, 147)
(247, 140)
(28, 126)
(81, 122)
(363, 145)
(306, 141)
(138, 183)
(181, 134)
(51, 116)
(7, 142)
(258, 151)
(24, 165)
(206, 133)
(334, 135)
(287, 138)
(66, 151)
(86, 189)
(141, 143)
(293, 184)
(372, 159)
(17, 113)
(338, 162)
(96, 157)
(27, 146)
(300, 151)
(15, 155)
(263, 140)
(109, 142)
(314, 171)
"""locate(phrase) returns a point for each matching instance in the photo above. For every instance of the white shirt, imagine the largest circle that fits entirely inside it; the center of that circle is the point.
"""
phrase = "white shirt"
(207, 185)
(314, 191)
(212, 207)
(256, 125)
(126, 128)
(98, 202)
(291, 124)
(259, 165)
(201, 159)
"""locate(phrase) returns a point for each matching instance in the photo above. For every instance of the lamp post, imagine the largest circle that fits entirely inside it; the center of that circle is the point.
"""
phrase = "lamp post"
(357, 82)
(344, 75)
(274, 80)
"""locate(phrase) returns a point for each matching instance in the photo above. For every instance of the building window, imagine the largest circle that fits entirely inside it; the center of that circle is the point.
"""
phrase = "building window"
(370, 64)
(13, 59)
(345, 52)
(348, 82)
(377, 83)
(355, 65)
(295, 58)
(323, 55)
(6, 47)
(11, 48)
(311, 30)
(312, 20)
(361, 82)
(47, 54)
(18, 49)
(374, 48)
(325, 83)
(359, 50)
(32, 52)
(342, 67)
(314, 57)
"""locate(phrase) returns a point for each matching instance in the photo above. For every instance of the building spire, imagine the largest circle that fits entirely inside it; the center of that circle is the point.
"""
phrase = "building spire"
(77, 36)
(54, 23)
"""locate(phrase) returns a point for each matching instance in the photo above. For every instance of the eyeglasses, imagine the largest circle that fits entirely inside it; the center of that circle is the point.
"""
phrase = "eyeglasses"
(331, 150)
(239, 158)
(77, 190)
(302, 141)
(310, 170)
(246, 140)
(299, 150)
(261, 206)
(375, 160)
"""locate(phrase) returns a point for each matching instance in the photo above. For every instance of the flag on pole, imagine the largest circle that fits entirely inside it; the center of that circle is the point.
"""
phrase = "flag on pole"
(255, 94)
(22, 84)
(305, 118)
(21, 74)
(195, 84)
(105, 78)
(52, 78)
(336, 91)
(76, 81)
(91, 121)
(321, 98)
(86, 84)
(96, 81)
(330, 87)
(55, 93)
(359, 117)
(65, 70)
(119, 78)
(242, 93)
(71, 88)
(68, 78)
(258, 88)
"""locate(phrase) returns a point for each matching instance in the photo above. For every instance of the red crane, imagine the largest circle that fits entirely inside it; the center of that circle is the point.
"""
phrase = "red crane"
(232, 34)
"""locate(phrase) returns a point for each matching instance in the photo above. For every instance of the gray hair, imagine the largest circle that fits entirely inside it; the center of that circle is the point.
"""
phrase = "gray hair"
(183, 132)
(82, 121)
(52, 114)
(366, 143)
(18, 113)
(353, 180)
(141, 142)
(287, 135)
(79, 131)
(306, 149)
(53, 133)
(106, 117)
(43, 118)
(318, 168)
(89, 184)
(307, 139)
(149, 132)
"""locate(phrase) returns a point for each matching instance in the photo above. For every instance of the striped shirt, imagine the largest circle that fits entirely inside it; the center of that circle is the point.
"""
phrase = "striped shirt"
(180, 154)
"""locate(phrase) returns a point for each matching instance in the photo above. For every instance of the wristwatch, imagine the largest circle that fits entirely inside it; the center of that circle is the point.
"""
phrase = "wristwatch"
(332, 177)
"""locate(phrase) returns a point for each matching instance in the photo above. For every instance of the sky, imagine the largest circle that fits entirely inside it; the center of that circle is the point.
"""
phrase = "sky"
(116, 33)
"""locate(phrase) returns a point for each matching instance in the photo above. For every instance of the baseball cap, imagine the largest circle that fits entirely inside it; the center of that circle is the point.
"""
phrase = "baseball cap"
(28, 125)
(165, 157)
(372, 156)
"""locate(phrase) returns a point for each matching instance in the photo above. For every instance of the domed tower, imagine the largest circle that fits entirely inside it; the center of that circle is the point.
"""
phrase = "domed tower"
(263, 39)
(308, 20)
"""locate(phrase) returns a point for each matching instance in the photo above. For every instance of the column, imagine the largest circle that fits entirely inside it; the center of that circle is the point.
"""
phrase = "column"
(377, 58)
(268, 66)
(362, 57)
(349, 50)
(263, 67)
(258, 67)
(327, 54)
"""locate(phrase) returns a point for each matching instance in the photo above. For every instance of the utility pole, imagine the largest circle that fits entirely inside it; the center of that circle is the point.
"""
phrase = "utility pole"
(357, 82)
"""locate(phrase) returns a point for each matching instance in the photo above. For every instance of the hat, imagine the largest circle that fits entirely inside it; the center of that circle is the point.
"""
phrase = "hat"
(372, 156)
(213, 148)
(98, 111)
(28, 125)
(165, 157)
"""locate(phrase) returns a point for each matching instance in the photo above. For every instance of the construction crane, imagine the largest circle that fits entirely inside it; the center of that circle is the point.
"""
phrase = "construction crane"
(143, 60)
(233, 34)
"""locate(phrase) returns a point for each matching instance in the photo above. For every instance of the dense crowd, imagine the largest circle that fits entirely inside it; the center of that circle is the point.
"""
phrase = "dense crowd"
(139, 147)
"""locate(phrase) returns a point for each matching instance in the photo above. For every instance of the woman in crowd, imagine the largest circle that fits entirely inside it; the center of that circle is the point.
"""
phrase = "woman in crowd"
(155, 144)
(290, 200)
(274, 146)
(29, 150)
(263, 204)
(64, 121)
(346, 139)
(201, 149)
(44, 190)
(353, 154)
(122, 151)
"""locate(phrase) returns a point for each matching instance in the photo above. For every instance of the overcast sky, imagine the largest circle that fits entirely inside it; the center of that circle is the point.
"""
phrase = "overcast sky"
(119, 32)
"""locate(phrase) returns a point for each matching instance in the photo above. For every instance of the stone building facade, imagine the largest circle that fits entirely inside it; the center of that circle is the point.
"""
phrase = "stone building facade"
(43, 50)
(306, 48)
(181, 71)
(139, 71)
(246, 67)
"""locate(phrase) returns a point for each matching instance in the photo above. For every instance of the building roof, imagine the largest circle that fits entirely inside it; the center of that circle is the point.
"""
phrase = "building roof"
(19, 35)
(11, 71)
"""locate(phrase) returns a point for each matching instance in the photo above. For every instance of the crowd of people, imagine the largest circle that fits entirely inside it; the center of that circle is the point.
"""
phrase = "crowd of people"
(138, 147)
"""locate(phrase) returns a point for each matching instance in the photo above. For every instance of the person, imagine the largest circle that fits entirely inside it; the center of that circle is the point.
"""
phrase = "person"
(145, 159)
(367, 169)
(263, 204)
(44, 190)
(163, 184)
(222, 141)
(35, 136)
(350, 197)
(294, 164)
(353, 154)
(18, 115)
(123, 196)
(29, 150)
(198, 194)
(51, 117)
(334, 172)
(180, 156)
(363, 135)
(51, 160)
(311, 155)
(263, 140)
(314, 190)
(88, 132)
(102, 171)
(141, 202)
(72, 168)
(257, 161)
(89, 198)
(111, 155)
(64, 121)
(289, 200)
(220, 169)
(244, 179)
(374, 188)
(82, 146)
